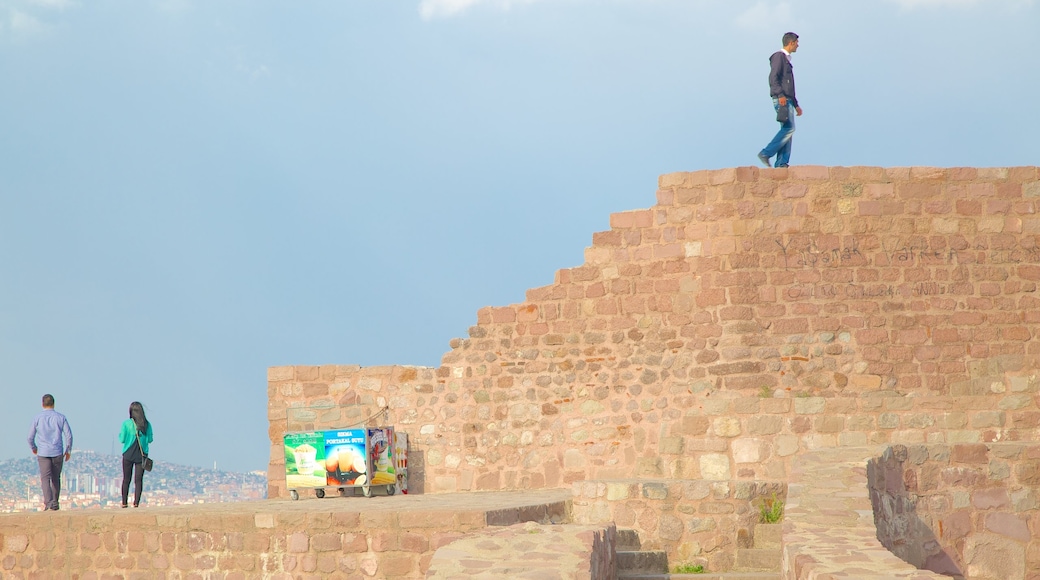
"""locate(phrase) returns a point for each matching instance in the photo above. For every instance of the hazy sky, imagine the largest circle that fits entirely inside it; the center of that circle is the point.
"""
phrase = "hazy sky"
(192, 191)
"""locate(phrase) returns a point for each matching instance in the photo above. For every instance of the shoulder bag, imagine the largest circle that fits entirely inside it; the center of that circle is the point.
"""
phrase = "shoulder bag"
(148, 463)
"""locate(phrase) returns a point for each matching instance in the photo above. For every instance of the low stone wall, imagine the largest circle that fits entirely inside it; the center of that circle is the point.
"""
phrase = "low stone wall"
(344, 538)
(968, 509)
(696, 522)
(529, 551)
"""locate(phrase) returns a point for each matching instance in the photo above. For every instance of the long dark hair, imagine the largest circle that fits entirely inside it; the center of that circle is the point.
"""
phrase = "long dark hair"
(137, 414)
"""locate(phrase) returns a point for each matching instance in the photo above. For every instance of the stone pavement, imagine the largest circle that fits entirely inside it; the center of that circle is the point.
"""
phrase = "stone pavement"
(829, 528)
(529, 551)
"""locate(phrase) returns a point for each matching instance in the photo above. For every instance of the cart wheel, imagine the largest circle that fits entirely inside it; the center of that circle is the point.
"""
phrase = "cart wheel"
(391, 489)
(343, 492)
(366, 490)
(294, 495)
(320, 493)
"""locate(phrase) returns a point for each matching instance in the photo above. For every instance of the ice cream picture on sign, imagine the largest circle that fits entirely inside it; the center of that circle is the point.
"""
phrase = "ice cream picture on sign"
(305, 460)
(305, 456)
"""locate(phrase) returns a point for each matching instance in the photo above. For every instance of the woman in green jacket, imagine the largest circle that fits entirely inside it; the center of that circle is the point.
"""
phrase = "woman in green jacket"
(135, 436)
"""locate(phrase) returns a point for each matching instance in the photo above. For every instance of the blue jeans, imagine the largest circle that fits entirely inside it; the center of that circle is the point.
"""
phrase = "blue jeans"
(781, 144)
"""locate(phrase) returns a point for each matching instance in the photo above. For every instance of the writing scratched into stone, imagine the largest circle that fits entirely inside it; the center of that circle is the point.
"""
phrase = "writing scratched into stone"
(900, 254)
(813, 256)
(807, 291)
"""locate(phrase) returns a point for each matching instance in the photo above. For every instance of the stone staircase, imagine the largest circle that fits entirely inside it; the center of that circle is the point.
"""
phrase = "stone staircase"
(760, 561)
(634, 562)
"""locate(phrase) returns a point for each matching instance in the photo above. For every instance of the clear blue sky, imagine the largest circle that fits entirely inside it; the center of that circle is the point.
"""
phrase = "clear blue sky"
(194, 190)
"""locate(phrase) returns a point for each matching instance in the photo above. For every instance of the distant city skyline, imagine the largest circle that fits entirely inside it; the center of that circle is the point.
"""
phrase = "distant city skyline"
(192, 192)
(94, 482)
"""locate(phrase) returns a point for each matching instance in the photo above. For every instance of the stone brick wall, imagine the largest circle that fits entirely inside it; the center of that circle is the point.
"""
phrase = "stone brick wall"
(749, 315)
(725, 436)
(311, 545)
(306, 540)
(697, 522)
(967, 509)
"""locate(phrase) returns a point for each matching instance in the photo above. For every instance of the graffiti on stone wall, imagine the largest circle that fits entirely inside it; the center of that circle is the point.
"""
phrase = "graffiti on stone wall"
(900, 253)
(814, 256)
(859, 291)
(891, 252)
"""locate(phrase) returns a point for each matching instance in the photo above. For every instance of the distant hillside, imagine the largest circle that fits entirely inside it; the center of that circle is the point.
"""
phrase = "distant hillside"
(91, 478)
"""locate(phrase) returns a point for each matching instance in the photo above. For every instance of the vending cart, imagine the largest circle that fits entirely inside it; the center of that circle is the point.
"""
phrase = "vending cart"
(346, 459)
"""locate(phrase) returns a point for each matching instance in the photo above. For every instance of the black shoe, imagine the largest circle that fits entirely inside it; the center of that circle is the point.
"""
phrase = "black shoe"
(123, 505)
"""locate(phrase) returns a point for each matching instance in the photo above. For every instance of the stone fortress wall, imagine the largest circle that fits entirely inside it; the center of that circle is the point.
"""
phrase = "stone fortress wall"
(859, 342)
(749, 317)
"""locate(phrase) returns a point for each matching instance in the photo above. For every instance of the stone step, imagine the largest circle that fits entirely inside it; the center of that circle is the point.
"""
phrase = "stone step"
(649, 562)
(628, 541)
(704, 576)
(769, 535)
(758, 560)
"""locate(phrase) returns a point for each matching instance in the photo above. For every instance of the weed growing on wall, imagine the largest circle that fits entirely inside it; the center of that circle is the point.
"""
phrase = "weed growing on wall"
(771, 511)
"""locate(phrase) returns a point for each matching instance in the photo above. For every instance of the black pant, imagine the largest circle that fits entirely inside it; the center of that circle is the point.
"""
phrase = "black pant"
(50, 479)
(138, 471)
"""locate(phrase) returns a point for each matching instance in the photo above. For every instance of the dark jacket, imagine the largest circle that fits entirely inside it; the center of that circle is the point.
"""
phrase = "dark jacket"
(781, 77)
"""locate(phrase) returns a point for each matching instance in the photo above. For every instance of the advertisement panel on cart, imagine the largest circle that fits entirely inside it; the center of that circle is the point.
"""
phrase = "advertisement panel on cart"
(346, 457)
(305, 459)
(365, 458)
(380, 449)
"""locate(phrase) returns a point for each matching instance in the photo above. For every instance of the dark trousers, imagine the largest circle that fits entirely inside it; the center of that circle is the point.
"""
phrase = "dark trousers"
(138, 472)
(50, 479)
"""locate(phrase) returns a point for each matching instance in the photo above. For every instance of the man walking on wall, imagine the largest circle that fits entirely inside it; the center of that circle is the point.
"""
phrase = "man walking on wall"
(781, 88)
(50, 439)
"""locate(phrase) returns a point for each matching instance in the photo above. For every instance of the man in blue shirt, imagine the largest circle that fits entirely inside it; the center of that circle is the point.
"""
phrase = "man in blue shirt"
(50, 439)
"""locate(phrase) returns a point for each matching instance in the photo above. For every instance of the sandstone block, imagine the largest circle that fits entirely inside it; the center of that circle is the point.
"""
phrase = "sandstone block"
(715, 466)
(618, 491)
(726, 427)
(326, 542)
(764, 425)
(990, 498)
(993, 557)
(809, 405)
(750, 450)
(275, 374)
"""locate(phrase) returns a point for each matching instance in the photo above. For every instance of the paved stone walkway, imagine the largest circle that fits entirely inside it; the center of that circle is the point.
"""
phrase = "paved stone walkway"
(487, 501)
(529, 551)
(500, 507)
(829, 528)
